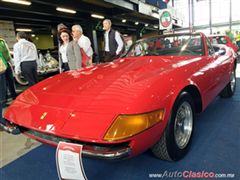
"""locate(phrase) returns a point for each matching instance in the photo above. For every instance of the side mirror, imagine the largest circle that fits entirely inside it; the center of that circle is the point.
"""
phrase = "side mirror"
(222, 51)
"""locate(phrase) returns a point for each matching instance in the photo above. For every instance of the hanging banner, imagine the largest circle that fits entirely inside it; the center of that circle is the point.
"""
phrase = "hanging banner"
(69, 161)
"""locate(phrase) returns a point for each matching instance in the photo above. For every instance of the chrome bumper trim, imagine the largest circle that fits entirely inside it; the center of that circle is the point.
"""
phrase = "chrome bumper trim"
(88, 150)
(118, 154)
(111, 152)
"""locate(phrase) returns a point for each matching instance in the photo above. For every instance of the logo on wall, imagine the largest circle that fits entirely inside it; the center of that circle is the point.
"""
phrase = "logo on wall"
(165, 20)
(166, 1)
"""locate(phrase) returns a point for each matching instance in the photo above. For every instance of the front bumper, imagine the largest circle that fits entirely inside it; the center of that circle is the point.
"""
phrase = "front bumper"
(96, 150)
(9, 127)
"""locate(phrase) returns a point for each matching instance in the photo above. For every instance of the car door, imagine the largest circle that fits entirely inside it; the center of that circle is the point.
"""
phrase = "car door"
(220, 69)
(213, 74)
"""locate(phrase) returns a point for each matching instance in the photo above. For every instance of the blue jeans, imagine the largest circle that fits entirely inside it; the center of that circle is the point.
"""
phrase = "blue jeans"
(3, 92)
(1, 108)
(10, 82)
(238, 43)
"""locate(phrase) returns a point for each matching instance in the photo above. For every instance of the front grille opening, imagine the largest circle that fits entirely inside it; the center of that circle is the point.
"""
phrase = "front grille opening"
(56, 139)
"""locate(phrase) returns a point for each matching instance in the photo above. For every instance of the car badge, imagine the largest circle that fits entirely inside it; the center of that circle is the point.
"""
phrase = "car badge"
(43, 115)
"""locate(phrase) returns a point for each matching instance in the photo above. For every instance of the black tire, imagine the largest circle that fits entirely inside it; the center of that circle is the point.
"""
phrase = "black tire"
(169, 147)
(229, 90)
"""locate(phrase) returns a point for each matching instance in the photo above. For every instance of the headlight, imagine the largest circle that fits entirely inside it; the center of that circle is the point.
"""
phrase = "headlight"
(126, 126)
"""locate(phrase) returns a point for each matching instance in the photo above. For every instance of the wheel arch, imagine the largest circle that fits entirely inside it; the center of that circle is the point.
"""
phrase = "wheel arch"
(194, 92)
(166, 148)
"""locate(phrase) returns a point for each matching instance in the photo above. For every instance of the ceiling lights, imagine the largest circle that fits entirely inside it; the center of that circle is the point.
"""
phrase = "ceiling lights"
(124, 20)
(18, 2)
(97, 16)
(136, 23)
(66, 10)
(24, 29)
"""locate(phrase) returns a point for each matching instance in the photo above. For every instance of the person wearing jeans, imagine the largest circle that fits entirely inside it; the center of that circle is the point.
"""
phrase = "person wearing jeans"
(9, 74)
(3, 122)
(3, 92)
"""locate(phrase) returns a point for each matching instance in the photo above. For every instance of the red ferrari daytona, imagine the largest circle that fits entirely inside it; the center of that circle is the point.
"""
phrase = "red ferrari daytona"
(146, 99)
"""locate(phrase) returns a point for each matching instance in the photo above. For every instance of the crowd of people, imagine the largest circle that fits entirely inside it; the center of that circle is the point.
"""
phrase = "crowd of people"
(235, 37)
(76, 50)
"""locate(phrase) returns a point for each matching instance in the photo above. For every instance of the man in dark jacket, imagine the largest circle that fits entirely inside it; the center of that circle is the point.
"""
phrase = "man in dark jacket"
(113, 43)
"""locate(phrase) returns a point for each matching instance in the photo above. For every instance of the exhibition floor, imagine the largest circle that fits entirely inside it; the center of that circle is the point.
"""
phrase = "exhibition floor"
(215, 149)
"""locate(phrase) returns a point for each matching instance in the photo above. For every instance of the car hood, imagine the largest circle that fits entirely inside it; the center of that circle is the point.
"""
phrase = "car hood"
(96, 89)
(83, 103)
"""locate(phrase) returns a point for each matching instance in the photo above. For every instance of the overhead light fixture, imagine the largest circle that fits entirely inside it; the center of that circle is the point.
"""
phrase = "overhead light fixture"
(97, 16)
(125, 35)
(24, 30)
(33, 35)
(66, 10)
(124, 20)
(136, 23)
(146, 25)
(18, 2)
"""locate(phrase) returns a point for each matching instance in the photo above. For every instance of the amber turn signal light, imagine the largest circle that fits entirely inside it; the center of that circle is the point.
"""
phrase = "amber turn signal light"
(126, 126)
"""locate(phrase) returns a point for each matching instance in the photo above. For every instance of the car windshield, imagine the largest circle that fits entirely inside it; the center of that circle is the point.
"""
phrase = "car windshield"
(168, 45)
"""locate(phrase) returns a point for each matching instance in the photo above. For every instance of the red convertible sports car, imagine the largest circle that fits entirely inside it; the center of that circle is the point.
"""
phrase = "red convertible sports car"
(146, 99)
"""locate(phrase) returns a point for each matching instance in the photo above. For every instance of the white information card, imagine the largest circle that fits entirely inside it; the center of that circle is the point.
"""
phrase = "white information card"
(69, 161)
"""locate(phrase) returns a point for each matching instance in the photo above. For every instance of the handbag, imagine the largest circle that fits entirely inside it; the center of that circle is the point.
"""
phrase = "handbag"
(85, 58)
(3, 65)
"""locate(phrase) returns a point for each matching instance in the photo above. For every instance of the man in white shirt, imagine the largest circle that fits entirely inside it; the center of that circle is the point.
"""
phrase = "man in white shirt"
(113, 43)
(25, 56)
(84, 43)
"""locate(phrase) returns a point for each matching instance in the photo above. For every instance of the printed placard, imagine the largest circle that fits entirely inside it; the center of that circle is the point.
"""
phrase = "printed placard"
(69, 161)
